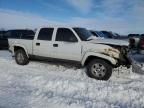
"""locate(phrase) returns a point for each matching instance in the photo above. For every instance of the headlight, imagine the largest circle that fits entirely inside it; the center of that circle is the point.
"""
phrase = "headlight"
(112, 52)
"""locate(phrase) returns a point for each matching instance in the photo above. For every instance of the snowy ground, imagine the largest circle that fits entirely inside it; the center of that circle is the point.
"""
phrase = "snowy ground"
(49, 85)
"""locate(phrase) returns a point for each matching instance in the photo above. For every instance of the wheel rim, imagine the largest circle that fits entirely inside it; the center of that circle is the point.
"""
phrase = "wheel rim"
(20, 57)
(98, 70)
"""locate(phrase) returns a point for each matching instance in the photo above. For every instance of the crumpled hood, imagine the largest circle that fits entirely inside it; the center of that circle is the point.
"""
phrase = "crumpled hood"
(110, 42)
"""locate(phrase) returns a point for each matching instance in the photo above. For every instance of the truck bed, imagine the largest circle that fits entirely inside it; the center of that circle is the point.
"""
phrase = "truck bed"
(24, 43)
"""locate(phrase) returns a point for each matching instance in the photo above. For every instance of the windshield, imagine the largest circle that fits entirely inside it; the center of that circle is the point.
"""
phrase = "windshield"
(83, 33)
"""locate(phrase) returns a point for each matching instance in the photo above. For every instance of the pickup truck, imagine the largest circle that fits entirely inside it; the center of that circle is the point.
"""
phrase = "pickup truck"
(74, 44)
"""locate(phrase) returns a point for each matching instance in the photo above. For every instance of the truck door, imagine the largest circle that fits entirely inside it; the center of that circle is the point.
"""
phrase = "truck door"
(66, 45)
(43, 45)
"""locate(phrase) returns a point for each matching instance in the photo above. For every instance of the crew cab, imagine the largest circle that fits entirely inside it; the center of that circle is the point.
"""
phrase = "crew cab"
(75, 44)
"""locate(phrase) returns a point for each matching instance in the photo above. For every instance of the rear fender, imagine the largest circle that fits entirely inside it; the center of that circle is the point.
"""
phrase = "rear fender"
(21, 46)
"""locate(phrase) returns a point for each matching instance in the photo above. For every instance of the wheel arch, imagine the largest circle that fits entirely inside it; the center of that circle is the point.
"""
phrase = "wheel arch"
(90, 56)
(17, 47)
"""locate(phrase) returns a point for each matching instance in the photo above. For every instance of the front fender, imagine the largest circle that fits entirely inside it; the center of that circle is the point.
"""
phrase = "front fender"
(99, 55)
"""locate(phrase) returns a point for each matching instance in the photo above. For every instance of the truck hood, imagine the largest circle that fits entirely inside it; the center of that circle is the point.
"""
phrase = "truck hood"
(110, 42)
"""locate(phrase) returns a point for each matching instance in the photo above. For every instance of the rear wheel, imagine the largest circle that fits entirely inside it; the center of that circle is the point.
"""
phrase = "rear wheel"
(99, 69)
(21, 57)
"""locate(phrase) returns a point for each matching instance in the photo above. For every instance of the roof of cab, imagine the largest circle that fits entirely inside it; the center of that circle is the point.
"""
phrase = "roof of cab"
(60, 26)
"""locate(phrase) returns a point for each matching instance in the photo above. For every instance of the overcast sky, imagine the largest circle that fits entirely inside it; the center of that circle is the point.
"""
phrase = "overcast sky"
(122, 16)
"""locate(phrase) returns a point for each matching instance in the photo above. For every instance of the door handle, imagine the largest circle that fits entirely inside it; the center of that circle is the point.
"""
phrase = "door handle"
(37, 44)
(55, 45)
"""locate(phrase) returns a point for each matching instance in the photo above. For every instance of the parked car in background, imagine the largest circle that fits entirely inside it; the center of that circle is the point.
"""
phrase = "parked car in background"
(20, 34)
(141, 44)
(3, 40)
(108, 34)
(137, 56)
(111, 35)
(72, 44)
(98, 34)
(16, 33)
(134, 40)
(133, 35)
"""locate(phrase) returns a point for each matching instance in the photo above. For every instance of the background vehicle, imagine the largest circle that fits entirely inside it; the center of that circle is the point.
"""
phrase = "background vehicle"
(134, 40)
(141, 44)
(108, 34)
(98, 34)
(17, 33)
(73, 44)
(133, 35)
(3, 40)
(20, 34)
(137, 57)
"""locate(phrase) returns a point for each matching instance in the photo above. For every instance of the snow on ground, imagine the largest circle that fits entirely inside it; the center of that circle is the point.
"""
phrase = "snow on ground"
(55, 85)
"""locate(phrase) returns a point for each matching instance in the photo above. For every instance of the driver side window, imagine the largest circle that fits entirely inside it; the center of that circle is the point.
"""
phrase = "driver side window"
(65, 35)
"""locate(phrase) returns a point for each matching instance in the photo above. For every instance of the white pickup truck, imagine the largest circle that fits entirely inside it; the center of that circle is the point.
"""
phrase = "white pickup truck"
(75, 44)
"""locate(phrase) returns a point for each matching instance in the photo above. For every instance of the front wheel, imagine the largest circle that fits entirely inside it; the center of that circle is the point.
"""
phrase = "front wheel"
(21, 57)
(99, 69)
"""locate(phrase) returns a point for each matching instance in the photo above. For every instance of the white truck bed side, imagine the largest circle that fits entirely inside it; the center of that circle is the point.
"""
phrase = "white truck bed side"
(24, 43)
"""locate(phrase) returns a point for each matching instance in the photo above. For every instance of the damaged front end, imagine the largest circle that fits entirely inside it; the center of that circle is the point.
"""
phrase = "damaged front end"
(120, 53)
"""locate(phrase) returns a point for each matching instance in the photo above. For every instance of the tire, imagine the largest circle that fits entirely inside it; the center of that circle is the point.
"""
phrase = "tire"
(99, 69)
(21, 57)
